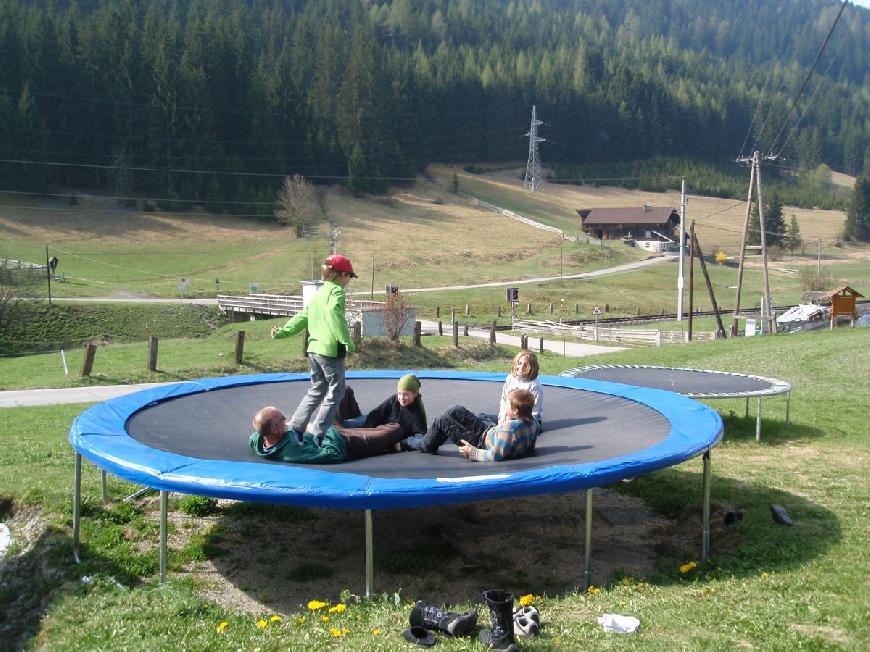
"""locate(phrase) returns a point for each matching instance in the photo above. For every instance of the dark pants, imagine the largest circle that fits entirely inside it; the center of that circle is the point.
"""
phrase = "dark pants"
(456, 424)
(365, 442)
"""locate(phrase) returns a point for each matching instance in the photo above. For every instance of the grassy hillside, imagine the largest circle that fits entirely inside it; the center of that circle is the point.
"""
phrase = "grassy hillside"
(419, 237)
(766, 586)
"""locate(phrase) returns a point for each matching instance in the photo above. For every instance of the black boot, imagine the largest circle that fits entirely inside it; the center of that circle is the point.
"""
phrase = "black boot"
(501, 612)
(446, 622)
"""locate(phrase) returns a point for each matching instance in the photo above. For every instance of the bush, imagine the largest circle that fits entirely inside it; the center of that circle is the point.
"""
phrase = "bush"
(812, 281)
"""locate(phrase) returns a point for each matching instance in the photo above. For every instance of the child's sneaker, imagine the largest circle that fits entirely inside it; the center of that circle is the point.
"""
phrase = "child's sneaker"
(298, 435)
(318, 441)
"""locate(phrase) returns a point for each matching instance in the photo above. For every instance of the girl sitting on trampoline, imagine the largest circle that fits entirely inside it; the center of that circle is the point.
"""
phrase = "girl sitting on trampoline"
(513, 437)
(405, 407)
(524, 375)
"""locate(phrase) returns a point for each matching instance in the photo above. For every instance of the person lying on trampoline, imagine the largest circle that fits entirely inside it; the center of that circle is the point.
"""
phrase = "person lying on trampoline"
(274, 440)
(478, 441)
(405, 407)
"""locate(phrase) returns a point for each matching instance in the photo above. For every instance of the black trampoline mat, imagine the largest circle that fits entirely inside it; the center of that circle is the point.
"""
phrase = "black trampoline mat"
(688, 382)
(580, 426)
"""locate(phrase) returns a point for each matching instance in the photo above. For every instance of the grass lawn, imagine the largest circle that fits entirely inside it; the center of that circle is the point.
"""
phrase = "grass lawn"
(767, 586)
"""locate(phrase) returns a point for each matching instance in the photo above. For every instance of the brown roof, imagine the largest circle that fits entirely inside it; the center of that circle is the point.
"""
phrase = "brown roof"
(632, 215)
(844, 289)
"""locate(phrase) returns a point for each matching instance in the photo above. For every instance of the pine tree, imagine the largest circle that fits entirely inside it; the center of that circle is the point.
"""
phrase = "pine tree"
(792, 238)
(857, 225)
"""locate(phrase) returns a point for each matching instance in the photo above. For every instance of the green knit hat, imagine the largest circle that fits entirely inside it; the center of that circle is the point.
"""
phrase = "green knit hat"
(409, 382)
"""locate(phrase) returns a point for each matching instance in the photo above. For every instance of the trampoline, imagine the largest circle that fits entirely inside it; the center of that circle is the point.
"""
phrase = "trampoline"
(694, 383)
(192, 437)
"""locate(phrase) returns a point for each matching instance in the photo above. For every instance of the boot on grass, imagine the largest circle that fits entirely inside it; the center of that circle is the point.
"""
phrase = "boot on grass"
(501, 613)
(446, 622)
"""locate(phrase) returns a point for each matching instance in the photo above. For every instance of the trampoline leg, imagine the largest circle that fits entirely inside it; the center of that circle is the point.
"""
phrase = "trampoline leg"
(370, 562)
(705, 517)
(787, 405)
(103, 486)
(758, 423)
(747, 407)
(77, 507)
(587, 552)
(164, 495)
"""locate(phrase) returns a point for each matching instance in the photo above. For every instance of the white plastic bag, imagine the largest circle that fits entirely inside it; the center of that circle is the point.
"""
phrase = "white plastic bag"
(619, 624)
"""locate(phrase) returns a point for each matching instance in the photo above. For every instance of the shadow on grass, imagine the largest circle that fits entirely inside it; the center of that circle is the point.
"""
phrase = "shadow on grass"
(773, 431)
(449, 554)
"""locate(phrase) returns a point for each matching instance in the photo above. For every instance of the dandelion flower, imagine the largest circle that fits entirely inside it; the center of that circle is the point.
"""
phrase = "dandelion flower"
(324, 619)
(262, 624)
(314, 605)
(335, 632)
(593, 589)
(300, 620)
(345, 631)
(685, 568)
(275, 619)
(338, 609)
(764, 576)
(376, 632)
(222, 626)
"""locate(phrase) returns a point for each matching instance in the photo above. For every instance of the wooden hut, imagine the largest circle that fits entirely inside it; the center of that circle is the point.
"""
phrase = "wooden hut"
(842, 303)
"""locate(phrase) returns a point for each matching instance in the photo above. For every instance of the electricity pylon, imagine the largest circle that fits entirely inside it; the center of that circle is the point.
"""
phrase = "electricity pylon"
(534, 175)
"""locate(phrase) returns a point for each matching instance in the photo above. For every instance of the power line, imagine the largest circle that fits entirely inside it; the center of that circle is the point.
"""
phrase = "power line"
(809, 75)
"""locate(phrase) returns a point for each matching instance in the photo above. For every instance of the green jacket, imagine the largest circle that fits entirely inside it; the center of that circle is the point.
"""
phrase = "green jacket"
(324, 318)
(333, 450)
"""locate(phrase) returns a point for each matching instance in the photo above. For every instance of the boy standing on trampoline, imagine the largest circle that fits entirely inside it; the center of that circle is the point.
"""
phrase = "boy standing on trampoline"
(329, 341)
(513, 437)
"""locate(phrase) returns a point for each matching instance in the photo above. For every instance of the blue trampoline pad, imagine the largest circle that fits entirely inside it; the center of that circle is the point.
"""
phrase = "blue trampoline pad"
(193, 438)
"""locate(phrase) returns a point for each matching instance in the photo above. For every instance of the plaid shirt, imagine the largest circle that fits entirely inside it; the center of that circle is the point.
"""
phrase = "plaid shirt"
(510, 439)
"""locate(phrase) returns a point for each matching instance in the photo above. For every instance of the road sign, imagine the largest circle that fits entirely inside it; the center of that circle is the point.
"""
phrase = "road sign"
(596, 310)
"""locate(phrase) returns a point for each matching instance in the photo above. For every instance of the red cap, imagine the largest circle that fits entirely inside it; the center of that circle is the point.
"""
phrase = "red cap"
(340, 264)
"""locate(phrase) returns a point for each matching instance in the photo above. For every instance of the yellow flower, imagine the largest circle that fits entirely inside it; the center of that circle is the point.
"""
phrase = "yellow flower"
(338, 609)
(376, 632)
(685, 568)
(593, 589)
(324, 619)
(345, 631)
(300, 620)
(625, 581)
(275, 619)
(314, 605)
(222, 626)
(335, 632)
(528, 599)
(764, 576)
(262, 624)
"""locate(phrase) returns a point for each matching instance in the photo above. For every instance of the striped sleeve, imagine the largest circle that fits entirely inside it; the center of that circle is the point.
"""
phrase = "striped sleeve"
(506, 441)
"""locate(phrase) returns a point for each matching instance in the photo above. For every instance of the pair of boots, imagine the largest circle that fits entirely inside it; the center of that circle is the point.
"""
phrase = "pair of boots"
(427, 617)
(501, 613)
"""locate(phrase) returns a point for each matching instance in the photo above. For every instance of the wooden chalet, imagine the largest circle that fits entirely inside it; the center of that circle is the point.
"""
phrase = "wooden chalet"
(841, 300)
(650, 227)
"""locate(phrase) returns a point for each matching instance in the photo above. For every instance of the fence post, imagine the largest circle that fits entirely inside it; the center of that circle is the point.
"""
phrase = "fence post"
(576, 308)
(528, 309)
(467, 310)
(305, 343)
(551, 307)
(658, 337)
(240, 346)
(453, 315)
(88, 362)
(437, 311)
(541, 346)
(524, 342)
(418, 329)
(456, 334)
(152, 353)
(498, 311)
(440, 328)
(357, 334)
(492, 334)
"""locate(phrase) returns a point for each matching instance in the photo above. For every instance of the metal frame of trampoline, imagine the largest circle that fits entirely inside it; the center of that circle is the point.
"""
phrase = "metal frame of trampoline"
(776, 387)
(94, 433)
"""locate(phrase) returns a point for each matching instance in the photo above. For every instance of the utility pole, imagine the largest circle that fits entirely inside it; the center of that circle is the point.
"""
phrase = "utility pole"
(754, 182)
(680, 282)
(534, 174)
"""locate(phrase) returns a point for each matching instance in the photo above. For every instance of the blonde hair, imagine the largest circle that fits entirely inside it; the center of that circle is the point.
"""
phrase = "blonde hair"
(523, 401)
(529, 367)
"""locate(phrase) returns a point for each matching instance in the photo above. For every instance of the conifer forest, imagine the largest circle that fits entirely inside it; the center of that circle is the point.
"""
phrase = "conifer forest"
(219, 100)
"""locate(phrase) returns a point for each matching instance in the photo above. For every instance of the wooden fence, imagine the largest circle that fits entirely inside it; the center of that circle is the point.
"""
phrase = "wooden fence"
(614, 334)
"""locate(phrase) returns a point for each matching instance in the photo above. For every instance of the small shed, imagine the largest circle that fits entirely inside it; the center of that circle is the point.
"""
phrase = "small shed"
(842, 302)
